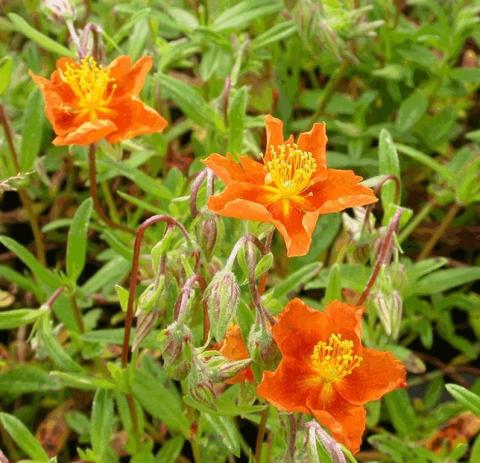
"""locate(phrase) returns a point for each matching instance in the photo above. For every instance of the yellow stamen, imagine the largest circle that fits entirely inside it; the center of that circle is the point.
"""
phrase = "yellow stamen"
(334, 359)
(89, 82)
(290, 169)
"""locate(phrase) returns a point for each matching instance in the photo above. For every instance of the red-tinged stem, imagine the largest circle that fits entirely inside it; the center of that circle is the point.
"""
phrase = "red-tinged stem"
(261, 435)
(54, 296)
(23, 195)
(384, 250)
(92, 174)
(196, 184)
(134, 275)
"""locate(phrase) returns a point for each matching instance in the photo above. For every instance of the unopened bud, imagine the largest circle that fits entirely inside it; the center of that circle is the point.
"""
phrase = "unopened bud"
(150, 298)
(200, 386)
(208, 232)
(316, 434)
(61, 9)
(145, 324)
(389, 308)
(220, 369)
(222, 296)
(177, 351)
(261, 345)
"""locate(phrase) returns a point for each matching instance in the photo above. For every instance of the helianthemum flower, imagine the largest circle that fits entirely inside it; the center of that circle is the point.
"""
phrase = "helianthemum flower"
(86, 102)
(325, 371)
(290, 188)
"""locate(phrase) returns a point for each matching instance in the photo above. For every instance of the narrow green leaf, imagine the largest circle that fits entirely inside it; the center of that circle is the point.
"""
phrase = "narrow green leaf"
(468, 399)
(170, 450)
(6, 67)
(274, 34)
(411, 110)
(236, 120)
(443, 280)
(160, 402)
(334, 285)
(225, 429)
(191, 102)
(388, 164)
(77, 240)
(32, 127)
(401, 412)
(41, 39)
(14, 318)
(23, 437)
(25, 283)
(80, 381)
(102, 422)
(27, 380)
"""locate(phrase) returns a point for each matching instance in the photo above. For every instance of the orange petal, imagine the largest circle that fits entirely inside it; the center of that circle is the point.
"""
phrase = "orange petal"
(344, 317)
(285, 387)
(274, 128)
(298, 329)
(254, 170)
(225, 168)
(129, 78)
(378, 374)
(133, 118)
(87, 133)
(233, 347)
(315, 142)
(242, 201)
(340, 190)
(295, 226)
(345, 422)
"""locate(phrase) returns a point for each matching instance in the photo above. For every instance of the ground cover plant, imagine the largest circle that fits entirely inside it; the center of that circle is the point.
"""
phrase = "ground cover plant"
(239, 231)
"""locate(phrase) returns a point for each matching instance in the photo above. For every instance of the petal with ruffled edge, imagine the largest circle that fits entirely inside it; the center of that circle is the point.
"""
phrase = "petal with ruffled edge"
(286, 387)
(274, 128)
(346, 422)
(129, 78)
(315, 142)
(378, 374)
(134, 118)
(225, 168)
(340, 190)
(87, 133)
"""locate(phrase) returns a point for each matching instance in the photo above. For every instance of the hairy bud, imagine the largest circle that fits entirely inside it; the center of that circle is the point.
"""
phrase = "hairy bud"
(222, 296)
(220, 369)
(151, 297)
(61, 9)
(208, 232)
(177, 350)
(200, 386)
(389, 308)
(261, 345)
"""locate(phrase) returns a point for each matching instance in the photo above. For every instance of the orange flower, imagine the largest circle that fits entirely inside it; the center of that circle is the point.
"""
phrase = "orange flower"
(290, 189)
(325, 370)
(233, 348)
(86, 102)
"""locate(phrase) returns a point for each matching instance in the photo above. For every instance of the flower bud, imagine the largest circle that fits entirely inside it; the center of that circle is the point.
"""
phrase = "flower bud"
(151, 297)
(389, 308)
(177, 350)
(200, 386)
(220, 369)
(222, 296)
(261, 345)
(61, 9)
(208, 232)
(316, 435)
(145, 324)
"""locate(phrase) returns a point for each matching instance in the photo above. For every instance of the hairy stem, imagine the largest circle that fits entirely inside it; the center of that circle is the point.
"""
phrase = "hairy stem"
(261, 435)
(77, 314)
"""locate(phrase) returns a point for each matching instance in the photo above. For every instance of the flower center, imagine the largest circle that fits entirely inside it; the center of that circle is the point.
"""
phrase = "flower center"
(290, 169)
(334, 359)
(89, 82)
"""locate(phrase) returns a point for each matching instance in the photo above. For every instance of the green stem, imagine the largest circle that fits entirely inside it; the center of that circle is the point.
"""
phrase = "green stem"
(439, 231)
(416, 220)
(77, 313)
(260, 435)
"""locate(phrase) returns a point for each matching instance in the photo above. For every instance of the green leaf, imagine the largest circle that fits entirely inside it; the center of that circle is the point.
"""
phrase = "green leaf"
(443, 280)
(44, 276)
(14, 318)
(274, 34)
(41, 39)
(6, 67)
(468, 399)
(80, 381)
(334, 285)
(401, 412)
(191, 103)
(32, 128)
(170, 450)
(388, 164)
(27, 380)
(77, 240)
(411, 110)
(241, 14)
(236, 120)
(160, 402)
(223, 428)
(25, 283)
(106, 278)
(23, 437)
(57, 354)
(101, 422)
